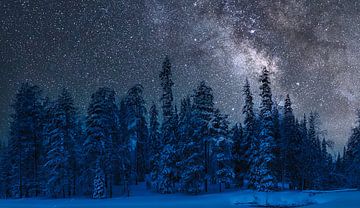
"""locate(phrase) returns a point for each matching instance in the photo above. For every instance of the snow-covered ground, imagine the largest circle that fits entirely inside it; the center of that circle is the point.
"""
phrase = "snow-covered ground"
(246, 198)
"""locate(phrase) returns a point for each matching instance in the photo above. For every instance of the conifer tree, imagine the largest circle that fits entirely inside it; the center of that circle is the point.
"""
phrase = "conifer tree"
(137, 131)
(155, 146)
(25, 142)
(222, 150)
(249, 141)
(169, 133)
(352, 155)
(194, 174)
(101, 131)
(265, 160)
(239, 163)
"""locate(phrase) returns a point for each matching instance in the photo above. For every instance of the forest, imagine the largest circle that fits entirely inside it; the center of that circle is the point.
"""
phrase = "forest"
(54, 151)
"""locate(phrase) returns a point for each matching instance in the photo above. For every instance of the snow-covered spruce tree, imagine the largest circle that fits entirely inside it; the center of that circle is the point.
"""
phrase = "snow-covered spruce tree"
(249, 144)
(238, 161)
(167, 174)
(101, 130)
(291, 147)
(222, 150)
(122, 169)
(278, 141)
(185, 132)
(72, 138)
(194, 174)
(61, 133)
(155, 146)
(25, 142)
(304, 158)
(99, 190)
(137, 131)
(265, 160)
(166, 84)
(314, 152)
(352, 156)
(57, 157)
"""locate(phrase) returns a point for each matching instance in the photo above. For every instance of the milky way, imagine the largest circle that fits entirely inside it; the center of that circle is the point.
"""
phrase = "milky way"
(311, 48)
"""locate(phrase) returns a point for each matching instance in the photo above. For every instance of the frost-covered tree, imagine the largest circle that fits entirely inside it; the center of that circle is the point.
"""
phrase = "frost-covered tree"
(313, 152)
(239, 163)
(101, 131)
(196, 149)
(25, 142)
(352, 156)
(265, 160)
(278, 142)
(57, 156)
(72, 138)
(122, 169)
(290, 147)
(155, 146)
(222, 150)
(169, 133)
(62, 135)
(137, 131)
(249, 144)
(166, 84)
(168, 174)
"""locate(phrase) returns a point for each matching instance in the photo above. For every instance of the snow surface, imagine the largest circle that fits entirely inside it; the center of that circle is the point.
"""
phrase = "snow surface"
(243, 198)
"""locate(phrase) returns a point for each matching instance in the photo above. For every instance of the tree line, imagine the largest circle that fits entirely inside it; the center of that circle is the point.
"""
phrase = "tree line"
(53, 152)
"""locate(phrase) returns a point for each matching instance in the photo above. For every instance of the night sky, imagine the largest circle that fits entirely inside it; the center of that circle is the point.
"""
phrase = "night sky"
(311, 47)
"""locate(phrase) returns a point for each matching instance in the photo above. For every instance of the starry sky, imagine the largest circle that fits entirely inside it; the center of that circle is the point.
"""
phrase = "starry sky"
(311, 48)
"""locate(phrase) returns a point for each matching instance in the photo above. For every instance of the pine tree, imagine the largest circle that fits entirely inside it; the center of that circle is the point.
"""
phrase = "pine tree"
(62, 150)
(101, 131)
(137, 131)
(72, 138)
(239, 163)
(222, 150)
(278, 143)
(169, 134)
(304, 156)
(57, 156)
(249, 142)
(25, 142)
(265, 160)
(155, 146)
(166, 84)
(352, 155)
(291, 146)
(314, 152)
(196, 150)
(123, 168)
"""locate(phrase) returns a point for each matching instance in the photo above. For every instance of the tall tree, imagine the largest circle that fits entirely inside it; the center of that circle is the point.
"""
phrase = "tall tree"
(101, 131)
(239, 163)
(137, 131)
(222, 150)
(194, 175)
(169, 134)
(166, 84)
(352, 155)
(291, 146)
(265, 160)
(249, 142)
(25, 142)
(155, 146)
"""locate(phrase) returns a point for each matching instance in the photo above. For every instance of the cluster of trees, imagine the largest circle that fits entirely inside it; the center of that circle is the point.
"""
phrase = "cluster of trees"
(53, 152)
